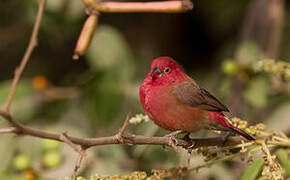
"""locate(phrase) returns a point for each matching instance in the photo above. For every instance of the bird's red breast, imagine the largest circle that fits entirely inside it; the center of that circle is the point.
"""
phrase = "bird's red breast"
(162, 106)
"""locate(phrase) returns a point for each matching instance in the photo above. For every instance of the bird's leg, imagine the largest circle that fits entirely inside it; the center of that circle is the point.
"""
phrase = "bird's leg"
(186, 137)
(189, 151)
(189, 148)
(172, 140)
(226, 137)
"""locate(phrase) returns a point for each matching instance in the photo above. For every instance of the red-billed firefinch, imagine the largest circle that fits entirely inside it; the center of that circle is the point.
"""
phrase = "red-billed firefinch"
(175, 102)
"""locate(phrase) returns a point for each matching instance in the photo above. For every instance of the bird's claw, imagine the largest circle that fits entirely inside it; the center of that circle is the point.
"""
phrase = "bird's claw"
(172, 141)
(186, 137)
(225, 138)
(119, 138)
(174, 133)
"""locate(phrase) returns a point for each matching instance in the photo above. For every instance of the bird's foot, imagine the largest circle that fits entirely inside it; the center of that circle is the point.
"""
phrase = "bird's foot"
(172, 140)
(186, 137)
(225, 138)
(189, 148)
(174, 133)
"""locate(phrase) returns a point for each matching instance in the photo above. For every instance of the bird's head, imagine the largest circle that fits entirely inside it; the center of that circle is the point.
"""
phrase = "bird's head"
(165, 70)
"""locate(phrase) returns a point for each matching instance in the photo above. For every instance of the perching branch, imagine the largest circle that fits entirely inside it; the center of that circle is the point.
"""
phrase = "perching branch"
(119, 138)
(8, 130)
(133, 7)
(127, 139)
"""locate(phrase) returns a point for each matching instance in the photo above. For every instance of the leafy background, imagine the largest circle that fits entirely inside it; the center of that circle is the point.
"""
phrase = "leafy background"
(92, 96)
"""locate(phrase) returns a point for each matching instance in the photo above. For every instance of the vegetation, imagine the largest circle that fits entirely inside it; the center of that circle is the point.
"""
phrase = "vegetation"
(76, 109)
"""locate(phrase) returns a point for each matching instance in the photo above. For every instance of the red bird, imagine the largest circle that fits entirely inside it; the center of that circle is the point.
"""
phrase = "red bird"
(176, 103)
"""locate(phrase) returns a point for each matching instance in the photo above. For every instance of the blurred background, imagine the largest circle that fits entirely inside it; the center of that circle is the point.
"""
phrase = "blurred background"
(218, 43)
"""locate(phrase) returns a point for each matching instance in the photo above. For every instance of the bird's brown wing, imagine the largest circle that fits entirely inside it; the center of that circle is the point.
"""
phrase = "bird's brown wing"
(191, 94)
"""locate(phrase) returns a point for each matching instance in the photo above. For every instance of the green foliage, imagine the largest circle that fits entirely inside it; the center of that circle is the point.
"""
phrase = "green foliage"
(109, 52)
(24, 102)
(156, 174)
(283, 157)
(278, 68)
(7, 147)
(248, 54)
(21, 162)
(51, 159)
(279, 118)
(253, 170)
(106, 98)
(256, 93)
(230, 67)
(107, 83)
(112, 60)
(50, 144)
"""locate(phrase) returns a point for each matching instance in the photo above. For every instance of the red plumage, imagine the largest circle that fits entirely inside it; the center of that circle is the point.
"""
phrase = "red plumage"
(175, 102)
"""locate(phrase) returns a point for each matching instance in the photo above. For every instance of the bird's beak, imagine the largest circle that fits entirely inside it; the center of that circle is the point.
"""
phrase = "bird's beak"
(155, 72)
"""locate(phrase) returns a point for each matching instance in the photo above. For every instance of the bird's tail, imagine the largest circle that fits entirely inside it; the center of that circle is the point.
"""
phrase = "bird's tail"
(221, 119)
(241, 132)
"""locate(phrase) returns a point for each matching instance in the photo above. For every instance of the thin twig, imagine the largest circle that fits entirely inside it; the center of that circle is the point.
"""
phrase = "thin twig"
(133, 7)
(82, 154)
(64, 137)
(119, 135)
(25, 59)
(172, 139)
(8, 130)
(80, 150)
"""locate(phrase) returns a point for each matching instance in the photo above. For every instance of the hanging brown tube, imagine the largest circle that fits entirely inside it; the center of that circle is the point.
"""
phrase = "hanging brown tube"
(86, 36)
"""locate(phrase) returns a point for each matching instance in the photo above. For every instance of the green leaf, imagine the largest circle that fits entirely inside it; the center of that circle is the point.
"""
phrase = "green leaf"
(24, 89)
(279, 118)
(110, 52)
(24, 103)
(282, 155)
(252, 172)
(106, 98)
(7, 149)
(111, 59)
(248, 54)
(256, 93)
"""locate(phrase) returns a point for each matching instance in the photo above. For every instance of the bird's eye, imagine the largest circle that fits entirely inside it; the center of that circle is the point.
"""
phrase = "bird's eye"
(167, 70)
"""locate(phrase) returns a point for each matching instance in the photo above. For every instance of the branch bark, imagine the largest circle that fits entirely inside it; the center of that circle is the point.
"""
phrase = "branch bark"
(32, 44)
(133, 7)
(82, 154)
(126, 139)
(8, 130)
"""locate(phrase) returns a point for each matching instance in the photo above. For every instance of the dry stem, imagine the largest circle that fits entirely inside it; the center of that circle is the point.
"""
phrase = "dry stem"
(32, 44)
(133, 7)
